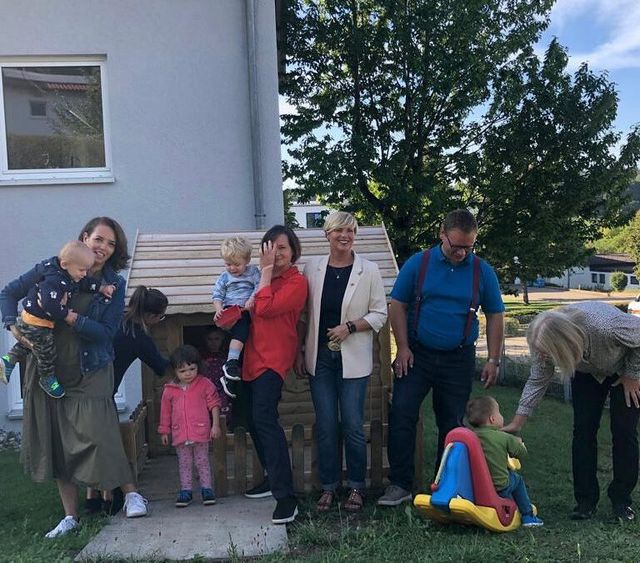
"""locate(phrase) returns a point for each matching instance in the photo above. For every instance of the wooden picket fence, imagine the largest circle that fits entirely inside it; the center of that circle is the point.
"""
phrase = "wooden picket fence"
(134, 435)
(236, 466)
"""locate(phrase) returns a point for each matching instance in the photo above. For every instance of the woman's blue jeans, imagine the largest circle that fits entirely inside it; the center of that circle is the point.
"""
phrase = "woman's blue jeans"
(339, 402)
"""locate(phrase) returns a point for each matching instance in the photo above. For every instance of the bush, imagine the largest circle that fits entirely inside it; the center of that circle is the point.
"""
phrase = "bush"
(526, 319)
(618, 281)
(511, 326)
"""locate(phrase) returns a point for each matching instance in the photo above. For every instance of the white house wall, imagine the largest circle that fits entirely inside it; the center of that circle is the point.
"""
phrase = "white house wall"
(179, 122)
(302, 209)
(582, 278)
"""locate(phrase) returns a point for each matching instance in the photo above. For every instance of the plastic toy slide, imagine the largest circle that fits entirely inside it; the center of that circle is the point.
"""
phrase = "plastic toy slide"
(463, 491)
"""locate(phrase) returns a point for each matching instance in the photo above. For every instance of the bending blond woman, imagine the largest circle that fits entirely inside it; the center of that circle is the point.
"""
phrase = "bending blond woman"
(597, 347)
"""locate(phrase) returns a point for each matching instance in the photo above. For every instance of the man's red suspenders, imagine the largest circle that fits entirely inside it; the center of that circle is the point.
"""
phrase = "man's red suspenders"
(475, 295)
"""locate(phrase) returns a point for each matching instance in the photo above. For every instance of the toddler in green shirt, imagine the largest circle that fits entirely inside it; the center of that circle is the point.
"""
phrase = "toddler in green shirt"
(483, 415)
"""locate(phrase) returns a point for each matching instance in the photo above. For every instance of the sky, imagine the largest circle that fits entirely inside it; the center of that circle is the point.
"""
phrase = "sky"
(606, 35)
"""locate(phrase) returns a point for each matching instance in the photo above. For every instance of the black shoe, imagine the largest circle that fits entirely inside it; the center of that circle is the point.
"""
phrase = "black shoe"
(93, 505)
(117, 501)
(624, 513)
(581, 512)
(232, 371)
(286, 511)
(262, 490)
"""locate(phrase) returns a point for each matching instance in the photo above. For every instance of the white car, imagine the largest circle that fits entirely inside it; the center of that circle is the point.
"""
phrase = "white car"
(634, 306)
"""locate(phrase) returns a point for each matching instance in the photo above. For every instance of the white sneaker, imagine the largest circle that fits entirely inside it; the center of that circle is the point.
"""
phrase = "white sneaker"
(65, 525)
(135, 505)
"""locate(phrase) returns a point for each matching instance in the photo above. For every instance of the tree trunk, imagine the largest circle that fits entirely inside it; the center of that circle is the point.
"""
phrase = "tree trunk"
(525, 292)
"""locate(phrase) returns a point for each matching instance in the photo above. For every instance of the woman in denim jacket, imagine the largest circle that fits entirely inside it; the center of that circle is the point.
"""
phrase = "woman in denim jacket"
(76, 439)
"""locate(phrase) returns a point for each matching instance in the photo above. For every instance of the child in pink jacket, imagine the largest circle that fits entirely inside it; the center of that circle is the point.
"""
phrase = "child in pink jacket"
(184, 412)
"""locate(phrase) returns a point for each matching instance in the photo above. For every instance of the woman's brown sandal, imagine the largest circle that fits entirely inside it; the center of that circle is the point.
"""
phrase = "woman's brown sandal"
(325, 502)
(354, 501)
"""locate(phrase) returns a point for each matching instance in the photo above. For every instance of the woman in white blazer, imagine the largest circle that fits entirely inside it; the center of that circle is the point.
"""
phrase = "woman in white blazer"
(346, 305)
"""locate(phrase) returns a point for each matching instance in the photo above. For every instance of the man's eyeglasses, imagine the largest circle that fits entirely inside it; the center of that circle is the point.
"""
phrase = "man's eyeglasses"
(456, 247)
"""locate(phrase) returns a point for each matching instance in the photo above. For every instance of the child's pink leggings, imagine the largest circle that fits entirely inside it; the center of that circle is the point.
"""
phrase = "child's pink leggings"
(187, 454)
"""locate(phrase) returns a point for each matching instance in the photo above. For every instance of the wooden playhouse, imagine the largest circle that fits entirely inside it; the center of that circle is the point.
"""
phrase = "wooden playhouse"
(184, 266)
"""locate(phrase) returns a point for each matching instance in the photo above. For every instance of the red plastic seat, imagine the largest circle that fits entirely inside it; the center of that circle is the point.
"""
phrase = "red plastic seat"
(483, 490)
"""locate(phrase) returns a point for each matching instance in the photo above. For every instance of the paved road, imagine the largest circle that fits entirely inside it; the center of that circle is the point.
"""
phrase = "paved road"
(556, 294)
(517, 346)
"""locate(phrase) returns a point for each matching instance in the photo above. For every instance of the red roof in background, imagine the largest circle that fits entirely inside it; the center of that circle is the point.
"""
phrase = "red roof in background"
(67, 86)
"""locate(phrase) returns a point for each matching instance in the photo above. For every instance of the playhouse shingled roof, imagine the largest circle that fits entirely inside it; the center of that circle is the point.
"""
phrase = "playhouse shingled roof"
(184, 266)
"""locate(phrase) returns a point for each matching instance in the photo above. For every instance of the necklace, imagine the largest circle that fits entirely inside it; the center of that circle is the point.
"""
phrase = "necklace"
(337, 272)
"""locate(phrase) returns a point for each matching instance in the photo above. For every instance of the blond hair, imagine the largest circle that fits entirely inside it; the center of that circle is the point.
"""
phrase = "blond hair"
(479, 410)
(236, 249)
(559, 335)
(76, 252)
(339, 220)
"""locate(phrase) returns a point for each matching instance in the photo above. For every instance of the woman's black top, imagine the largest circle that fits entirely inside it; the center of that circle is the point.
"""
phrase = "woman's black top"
(335, 285)
(129, 344)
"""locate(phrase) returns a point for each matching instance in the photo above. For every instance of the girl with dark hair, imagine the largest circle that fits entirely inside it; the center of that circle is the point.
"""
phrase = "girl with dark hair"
(76, 439)
(186, 423)
(269, 354)
(147, 307)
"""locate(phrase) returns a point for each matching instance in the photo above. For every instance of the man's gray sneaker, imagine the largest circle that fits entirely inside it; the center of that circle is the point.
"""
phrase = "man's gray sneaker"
(394, 496)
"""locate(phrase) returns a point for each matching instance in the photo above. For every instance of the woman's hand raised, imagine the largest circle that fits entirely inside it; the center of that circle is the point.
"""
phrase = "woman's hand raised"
(267, 255)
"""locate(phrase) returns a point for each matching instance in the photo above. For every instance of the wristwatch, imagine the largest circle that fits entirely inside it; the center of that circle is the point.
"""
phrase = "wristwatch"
(494, 361)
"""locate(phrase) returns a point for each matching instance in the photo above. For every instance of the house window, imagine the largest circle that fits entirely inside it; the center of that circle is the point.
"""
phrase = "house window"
(315, 220)
(38, 109)
(633, 280)
(594, 278)
(601, 279)
(68, 140)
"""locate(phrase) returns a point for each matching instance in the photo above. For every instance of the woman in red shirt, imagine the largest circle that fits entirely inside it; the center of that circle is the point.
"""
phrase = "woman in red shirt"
(269, 353)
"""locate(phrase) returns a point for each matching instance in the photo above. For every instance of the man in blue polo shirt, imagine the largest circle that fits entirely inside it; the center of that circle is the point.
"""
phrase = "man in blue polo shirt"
(435, 330)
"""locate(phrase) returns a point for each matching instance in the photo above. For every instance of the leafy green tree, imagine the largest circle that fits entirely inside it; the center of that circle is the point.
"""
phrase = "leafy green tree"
(634, 242)
(618, 281)
(408, 109)
(289, 215)
(545, 179)
(614, 240)
(385, 93)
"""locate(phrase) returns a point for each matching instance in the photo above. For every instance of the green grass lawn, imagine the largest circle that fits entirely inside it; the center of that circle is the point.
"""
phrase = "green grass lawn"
(518, 308)
(27, 510)
(383, 534)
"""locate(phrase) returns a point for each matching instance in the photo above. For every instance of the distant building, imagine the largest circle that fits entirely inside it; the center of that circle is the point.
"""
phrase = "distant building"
(598, 272)
(310, 215)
